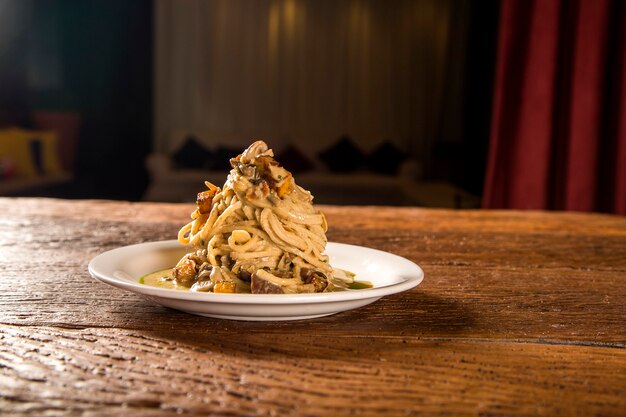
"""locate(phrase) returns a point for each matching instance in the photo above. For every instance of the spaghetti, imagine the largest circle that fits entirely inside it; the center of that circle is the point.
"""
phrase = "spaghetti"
(259, 233)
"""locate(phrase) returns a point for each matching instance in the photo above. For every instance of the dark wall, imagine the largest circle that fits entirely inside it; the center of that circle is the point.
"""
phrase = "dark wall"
(479, 87)
(13, 40)
(108, 55)
(463, 161)
(94, 58)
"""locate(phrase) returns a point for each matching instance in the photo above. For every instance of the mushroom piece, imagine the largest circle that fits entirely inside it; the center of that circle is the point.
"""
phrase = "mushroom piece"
(263, 285)
(264, 282)
(316, 278)
(185, 271)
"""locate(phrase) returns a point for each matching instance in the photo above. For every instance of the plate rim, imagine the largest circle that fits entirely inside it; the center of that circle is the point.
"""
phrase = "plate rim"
(414, 276)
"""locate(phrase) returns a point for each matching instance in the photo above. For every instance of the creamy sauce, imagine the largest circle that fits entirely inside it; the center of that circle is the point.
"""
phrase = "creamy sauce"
(165, 279)
(162, 279)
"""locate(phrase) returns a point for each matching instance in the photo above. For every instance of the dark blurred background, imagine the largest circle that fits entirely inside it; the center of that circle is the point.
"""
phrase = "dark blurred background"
(370, 102)
(84, 69)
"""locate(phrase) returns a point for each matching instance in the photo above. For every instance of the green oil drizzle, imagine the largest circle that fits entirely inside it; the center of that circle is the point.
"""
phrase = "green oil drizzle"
(360, 285)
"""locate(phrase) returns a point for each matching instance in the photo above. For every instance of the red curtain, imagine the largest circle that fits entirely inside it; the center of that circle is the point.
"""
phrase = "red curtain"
(558, 135)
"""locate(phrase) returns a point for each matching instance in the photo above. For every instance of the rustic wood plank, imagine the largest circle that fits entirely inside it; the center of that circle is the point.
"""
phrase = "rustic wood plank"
(460, 305)
(152, 373)
(527, 284)
(520, 313)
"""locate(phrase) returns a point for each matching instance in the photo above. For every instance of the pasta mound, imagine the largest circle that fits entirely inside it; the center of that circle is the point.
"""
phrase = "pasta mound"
(259, 233)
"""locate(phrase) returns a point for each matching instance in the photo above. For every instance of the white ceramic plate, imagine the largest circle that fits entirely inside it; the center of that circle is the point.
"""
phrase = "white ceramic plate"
(388, 273)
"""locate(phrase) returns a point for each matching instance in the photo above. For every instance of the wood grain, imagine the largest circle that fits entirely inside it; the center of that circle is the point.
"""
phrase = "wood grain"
(95, 370)
(520, 313)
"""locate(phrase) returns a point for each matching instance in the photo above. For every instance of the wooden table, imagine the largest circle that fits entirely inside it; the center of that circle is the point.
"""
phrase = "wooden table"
(520, 313)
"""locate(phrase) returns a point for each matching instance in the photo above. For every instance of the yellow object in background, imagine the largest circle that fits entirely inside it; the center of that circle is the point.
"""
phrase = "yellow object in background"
(17, 145)
(14, 147)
